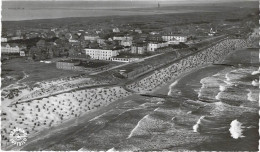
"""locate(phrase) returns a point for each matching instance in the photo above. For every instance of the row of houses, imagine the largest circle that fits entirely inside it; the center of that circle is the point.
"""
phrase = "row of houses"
(136, 48)
(13, 48)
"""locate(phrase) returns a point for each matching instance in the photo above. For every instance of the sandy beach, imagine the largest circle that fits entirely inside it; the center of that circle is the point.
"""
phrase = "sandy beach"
(54, 110)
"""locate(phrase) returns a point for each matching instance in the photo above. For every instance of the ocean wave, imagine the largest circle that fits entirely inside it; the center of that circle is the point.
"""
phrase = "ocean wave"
(157, 109)
(222, 88)
(256, 72)
(217, 97)
(171, 87)
(250, 96)
(236, 129)
(255, 83)
(83, 149)
(137, 127)
(97, 117)
(196, 127)
(111, 149)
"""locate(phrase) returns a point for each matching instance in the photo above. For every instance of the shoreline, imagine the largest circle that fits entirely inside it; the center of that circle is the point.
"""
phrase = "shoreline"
(70, 123)
(165, 88)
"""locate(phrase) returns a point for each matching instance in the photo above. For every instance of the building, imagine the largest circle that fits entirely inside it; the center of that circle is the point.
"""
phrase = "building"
(3, 39)
(178, 38)
(123, 38)
(101, 54)
(101, 41)
(153, 46)
(116, 30)
(138, 31)
(126, 43)
(154, 33)
(91, 38)
(154, 38)
(16, 38)
(11, 48)
(22, 53)
(139, 48)
(69, 65)
(124, 59)
(212, 32)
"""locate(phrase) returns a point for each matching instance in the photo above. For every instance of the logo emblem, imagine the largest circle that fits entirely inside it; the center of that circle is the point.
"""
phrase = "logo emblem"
(18, 136)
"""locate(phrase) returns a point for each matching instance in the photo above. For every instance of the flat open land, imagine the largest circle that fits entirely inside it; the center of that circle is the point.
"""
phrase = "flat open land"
(36, 71)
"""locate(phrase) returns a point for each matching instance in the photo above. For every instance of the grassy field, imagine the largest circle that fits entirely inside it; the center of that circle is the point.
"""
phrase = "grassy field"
(37, 71)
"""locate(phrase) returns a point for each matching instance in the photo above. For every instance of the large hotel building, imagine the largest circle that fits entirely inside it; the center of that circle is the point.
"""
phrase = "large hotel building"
(101, 54)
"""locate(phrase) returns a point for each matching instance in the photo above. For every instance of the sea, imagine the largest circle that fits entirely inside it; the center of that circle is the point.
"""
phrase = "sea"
(31, 10)
(214, 108)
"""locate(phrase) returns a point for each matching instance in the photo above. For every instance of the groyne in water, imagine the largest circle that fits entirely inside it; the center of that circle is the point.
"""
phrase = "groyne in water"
(210, 55)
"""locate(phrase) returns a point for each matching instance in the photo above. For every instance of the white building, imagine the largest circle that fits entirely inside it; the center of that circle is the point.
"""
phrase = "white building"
(22, 53)
(211, 32)
(101, 54)
(124, 59)
(116, 30)
(10, 48)
(123, 38)
(16, 38)
(3, 39)
(101, 41)
(154, 33)
(179, 38)
(91, 38)
(72, 41)
(126, 43)
(153, 46)
(138, 31)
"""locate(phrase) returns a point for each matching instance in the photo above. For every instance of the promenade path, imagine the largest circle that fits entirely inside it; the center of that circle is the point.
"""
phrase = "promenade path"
(61, 92)
(122, 65)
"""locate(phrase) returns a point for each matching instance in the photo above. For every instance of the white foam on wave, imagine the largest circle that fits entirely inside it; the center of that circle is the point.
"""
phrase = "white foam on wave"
(217, 97)
(250, 95)
(256, 72)
(157, 109)
(202, 87)
(136, 127)
(222, 88)
(227, 77)
(228, 82)
(171, 86)
(236, 129)
(255, 83)
(82, 149)
(197, 125)
(111, 149)
(97, 117)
